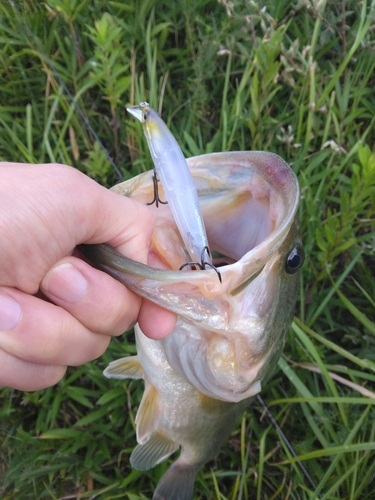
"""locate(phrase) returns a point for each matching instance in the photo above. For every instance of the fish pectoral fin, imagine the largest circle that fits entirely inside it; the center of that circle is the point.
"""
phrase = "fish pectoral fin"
(157, 449)
(129, 367)
(148, 414)
(177, 483)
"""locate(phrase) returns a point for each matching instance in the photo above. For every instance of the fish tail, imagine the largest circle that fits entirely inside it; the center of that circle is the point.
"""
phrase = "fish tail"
(177, 483)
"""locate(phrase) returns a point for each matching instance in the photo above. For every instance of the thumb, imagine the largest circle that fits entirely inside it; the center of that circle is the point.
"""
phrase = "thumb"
(120, 221)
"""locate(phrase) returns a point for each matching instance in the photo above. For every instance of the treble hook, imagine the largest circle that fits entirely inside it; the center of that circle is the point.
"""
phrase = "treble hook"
(202, 265)
(156, 199)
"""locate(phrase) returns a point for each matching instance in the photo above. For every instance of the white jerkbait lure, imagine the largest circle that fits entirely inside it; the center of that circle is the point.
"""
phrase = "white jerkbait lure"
(178, 185)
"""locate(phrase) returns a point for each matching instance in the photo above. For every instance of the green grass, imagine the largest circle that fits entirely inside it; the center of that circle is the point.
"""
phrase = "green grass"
(294, 78)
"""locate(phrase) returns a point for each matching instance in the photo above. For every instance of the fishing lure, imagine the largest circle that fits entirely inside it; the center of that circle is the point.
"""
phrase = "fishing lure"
(179, 189)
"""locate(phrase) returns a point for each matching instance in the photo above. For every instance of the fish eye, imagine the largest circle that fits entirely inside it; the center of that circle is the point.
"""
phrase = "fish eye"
(295, 259)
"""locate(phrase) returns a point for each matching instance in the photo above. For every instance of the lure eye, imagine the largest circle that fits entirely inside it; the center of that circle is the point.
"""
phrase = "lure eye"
(295, 259)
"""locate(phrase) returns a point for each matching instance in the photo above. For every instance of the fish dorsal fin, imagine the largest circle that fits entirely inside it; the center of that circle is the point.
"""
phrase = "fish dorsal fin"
(148, 414)
(157, 449)
(129, 367)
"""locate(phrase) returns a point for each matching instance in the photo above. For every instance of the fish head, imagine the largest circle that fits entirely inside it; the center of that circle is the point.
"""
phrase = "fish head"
(229, 335)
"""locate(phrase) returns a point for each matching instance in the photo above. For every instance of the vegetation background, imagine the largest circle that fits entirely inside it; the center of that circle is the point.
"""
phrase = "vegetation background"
(293, 77)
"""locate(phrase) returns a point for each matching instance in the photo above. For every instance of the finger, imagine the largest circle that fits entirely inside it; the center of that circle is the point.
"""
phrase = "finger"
(44, 333)
(25, 376)
(154, 321)
(94, 298)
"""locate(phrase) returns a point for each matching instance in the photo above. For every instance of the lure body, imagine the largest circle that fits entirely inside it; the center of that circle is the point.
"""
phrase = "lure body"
(178, 185)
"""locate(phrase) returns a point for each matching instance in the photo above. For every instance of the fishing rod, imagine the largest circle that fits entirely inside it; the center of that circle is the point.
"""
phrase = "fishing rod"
(286, 441)
(120, 177)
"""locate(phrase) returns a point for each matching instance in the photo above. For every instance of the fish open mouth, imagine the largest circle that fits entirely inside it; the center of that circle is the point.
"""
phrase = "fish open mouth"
(248, 201)
(229, 334)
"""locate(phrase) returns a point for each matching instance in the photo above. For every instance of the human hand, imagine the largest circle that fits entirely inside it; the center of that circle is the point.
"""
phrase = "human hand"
(55, 309)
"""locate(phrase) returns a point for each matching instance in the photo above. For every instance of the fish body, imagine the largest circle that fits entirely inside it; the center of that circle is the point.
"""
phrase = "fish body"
(228, 336)
(173, 414)
(174, 174)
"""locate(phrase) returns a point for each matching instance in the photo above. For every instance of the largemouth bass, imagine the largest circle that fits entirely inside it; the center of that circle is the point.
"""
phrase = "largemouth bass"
(228, 336)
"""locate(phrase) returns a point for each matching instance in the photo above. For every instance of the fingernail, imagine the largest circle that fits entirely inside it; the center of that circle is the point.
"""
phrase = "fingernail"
(10, 312)
(65, 283)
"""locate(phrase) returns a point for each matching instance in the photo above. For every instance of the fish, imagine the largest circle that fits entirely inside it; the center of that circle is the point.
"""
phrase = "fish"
(229, 336)
(179, 189)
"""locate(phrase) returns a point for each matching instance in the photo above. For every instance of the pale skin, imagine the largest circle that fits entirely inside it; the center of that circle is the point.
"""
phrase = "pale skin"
(55, 309)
